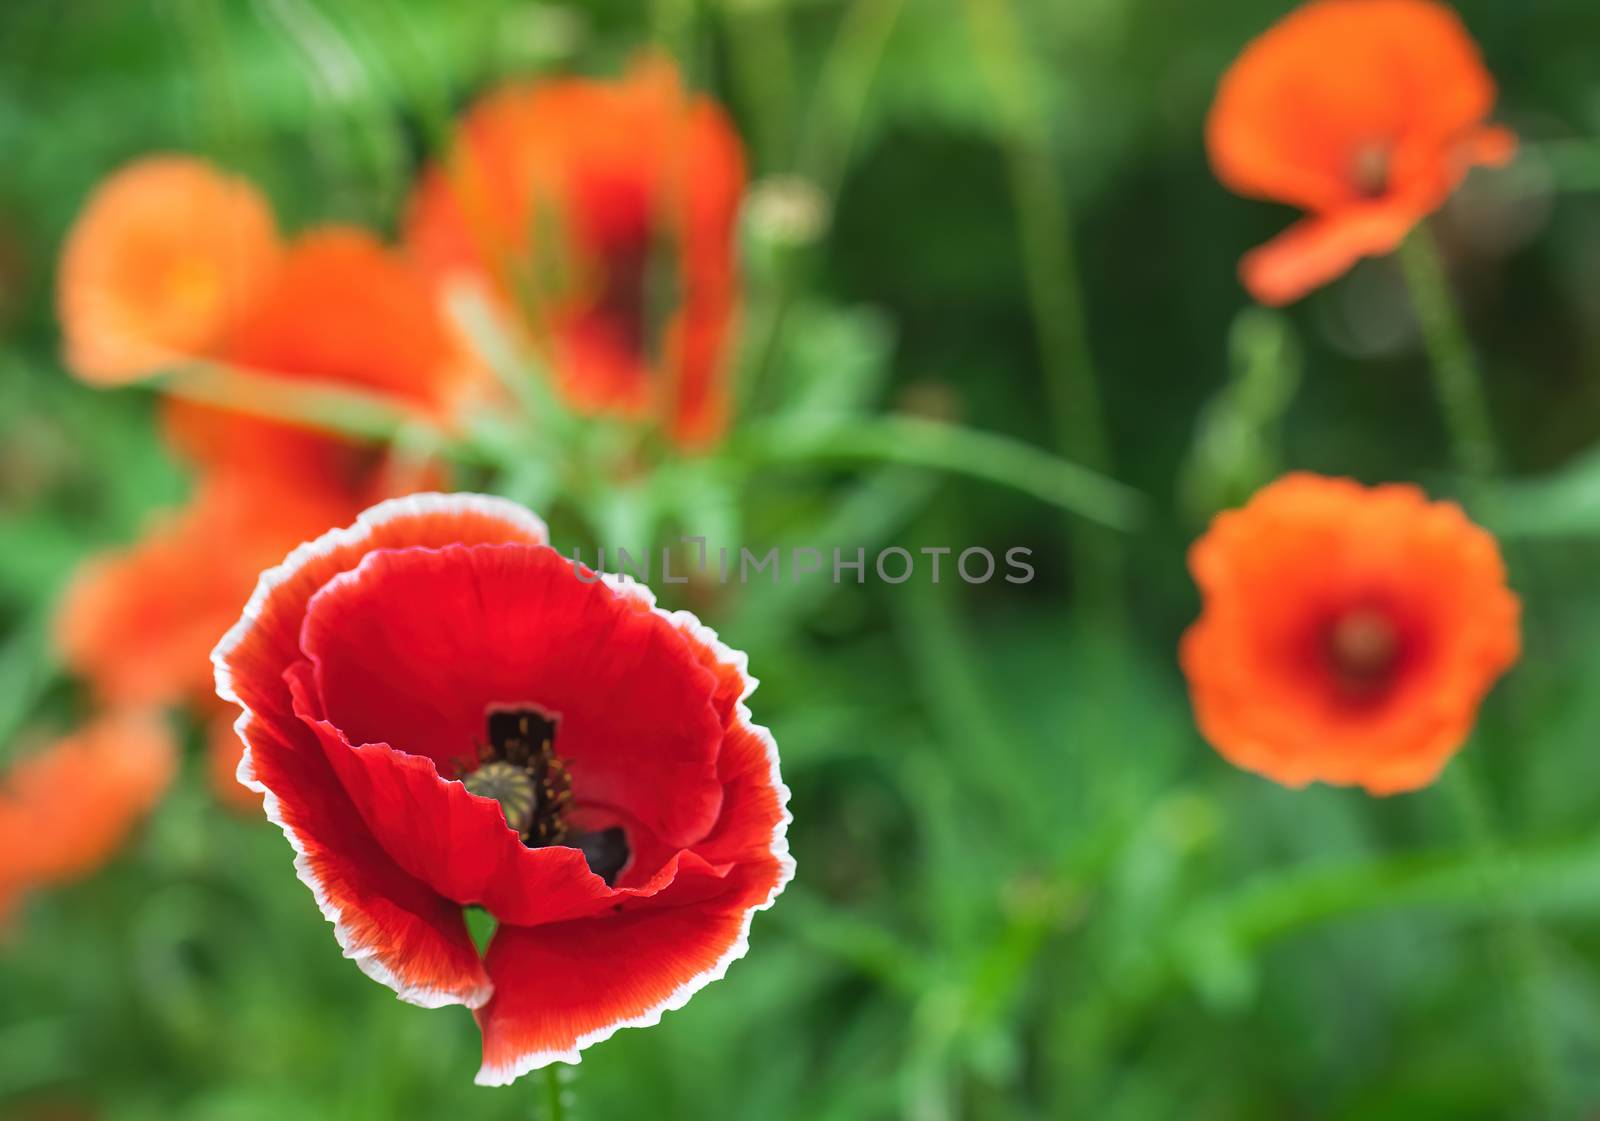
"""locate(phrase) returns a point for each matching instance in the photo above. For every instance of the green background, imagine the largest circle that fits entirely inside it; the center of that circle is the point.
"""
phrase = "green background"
(1026, 888)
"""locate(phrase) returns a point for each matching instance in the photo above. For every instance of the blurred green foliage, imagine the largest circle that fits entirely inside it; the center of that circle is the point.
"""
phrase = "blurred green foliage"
(1026, 889)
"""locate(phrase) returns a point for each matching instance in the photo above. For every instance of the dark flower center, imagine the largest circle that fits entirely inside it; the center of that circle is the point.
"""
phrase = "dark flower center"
(1369, 171)
(1363, 647)
(638, 292)
(623, 296)
(519, 768)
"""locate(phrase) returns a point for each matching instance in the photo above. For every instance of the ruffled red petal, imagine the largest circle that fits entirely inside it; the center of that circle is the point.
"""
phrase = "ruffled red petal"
(562, 987)
(397, 929)
(628, 967)
(452, 840)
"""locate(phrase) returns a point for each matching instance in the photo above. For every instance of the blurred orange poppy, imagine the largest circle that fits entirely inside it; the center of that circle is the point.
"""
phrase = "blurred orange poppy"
(139, 623)
(65, 810)
(604, 214)
(335, 308)
(343, 312)
(1366, 114)
(1348, 634)
(165, 254)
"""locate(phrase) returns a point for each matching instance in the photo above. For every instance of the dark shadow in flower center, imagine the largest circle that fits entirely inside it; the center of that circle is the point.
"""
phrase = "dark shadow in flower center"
(519, 768)
(1363, 648)
(1369, 170)
(638, 292)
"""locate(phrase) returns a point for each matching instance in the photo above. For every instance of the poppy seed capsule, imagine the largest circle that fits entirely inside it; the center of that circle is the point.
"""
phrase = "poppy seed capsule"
(511, 786)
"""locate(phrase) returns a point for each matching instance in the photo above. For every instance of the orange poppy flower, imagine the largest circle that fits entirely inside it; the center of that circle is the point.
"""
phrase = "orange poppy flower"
(164, 255)
(342, 312)
(604, 213)
(139, 623)
(1348, 634)
(1366, 114)
(66, 809)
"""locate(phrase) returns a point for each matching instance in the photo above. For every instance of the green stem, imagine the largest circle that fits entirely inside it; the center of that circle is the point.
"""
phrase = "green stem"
(1465, 408)
(915, 442)
(202, 27)
(845, 80)
(327, 406)
(554, 1094)
(1055, 294)
(1516, 938)
(1456, 382)
(672, 27)
(762, 64)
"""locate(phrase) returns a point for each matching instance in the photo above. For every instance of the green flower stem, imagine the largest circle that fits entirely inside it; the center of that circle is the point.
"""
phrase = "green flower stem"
(1516, 936)
(555, 1096)
(763, 66)
(673, 28)
(1456, 382)
(834, 122)
(915, 442)
(821, 154)
(332, 408)
(1055, 294)
(1465, 409)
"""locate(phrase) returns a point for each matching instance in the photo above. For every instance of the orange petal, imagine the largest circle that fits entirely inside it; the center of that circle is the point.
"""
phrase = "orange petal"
(64, 811)
(1317, 250)
(1493, 146)
(139, 623)
(159, 263)
(1337, 80)
(346, 310)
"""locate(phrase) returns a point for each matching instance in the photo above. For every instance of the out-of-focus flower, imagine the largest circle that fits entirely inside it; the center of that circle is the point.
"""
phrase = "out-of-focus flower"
(1348, 634)
(443, 712)
(1364, 113)
(346, 309)
(343, 312)
(333, 309)
(139, 623)
(602, 216)
(165, 255)
(66, 809)
(788, 210)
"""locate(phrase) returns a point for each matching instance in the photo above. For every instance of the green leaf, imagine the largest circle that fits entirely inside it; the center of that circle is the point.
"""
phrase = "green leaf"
(915, 442)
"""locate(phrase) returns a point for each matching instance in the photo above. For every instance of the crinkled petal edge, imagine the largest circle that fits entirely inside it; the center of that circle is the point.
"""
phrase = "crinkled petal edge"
(394, 509)
(504, 1074)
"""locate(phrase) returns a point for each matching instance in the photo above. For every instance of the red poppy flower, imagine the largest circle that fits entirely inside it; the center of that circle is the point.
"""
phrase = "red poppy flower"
(65, 810)
(1348, 634)
(605, 212)
(442, 713)
(1364, 113)
(165, 254)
